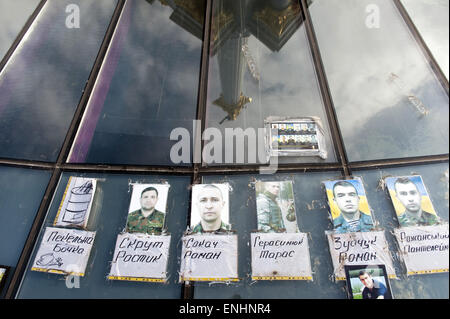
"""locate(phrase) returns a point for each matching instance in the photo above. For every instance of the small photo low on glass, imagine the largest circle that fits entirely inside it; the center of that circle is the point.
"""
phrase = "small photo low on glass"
(367, 282)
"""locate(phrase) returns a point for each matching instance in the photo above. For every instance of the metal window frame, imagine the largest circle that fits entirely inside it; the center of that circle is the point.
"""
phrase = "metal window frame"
(198, 170)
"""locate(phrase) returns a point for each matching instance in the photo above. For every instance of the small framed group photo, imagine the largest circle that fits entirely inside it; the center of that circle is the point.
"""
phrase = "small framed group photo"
(302, 136)
(367, 282)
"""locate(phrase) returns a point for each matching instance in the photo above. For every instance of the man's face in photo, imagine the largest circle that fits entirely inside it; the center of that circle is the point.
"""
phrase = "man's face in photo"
(366, 280)
(409, 196)
(210, 204)
(347, 199)
(149, 200)
(273, 188)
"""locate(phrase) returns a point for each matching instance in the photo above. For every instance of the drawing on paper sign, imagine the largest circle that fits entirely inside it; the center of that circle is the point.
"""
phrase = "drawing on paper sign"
(349, 208)
(49, 260)
(368, 282)
(275, 207)
(411, 201)
(210, 208)
(77, 202)
(147, 210)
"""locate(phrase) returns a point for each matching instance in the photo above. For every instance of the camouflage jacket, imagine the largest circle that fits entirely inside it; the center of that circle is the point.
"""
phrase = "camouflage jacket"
(270, 218)
(223, 228)
(153, 223)
(364, 224)
(426, 219)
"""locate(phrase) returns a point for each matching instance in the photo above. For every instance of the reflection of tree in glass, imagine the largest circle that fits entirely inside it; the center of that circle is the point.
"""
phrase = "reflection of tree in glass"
(78, 203)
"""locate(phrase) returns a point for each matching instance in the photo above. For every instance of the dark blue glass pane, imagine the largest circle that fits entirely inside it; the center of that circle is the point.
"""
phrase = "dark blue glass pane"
(147, 85)
(21, 192)
(42, 83)
(111, 203)
(13, 15)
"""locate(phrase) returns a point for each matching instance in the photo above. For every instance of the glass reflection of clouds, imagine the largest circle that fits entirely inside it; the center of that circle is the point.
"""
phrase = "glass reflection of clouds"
(379, 118)
(435, 31)
(147, 87)
(41, 85)
(13, 15)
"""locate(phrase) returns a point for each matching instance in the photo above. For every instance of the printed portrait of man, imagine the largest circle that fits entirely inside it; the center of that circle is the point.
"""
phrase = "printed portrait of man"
(209, 207)
(147, 219)
(270, 208)
(373, 288)
(346, 198)
(409, 191)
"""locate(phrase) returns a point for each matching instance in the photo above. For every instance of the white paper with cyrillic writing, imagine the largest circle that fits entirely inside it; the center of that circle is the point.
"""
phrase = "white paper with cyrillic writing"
(64, 251)
(209, 257)
(138, 257)
(280, 256)
(424, 248)
(76, 203)
(360, 248)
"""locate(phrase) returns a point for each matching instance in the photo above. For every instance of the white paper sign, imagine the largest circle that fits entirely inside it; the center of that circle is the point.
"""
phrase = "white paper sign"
(360, 248)
(424, 248)
(76, 203)
(209, 257)
(64, 251)
(280, 256)
(140, 257)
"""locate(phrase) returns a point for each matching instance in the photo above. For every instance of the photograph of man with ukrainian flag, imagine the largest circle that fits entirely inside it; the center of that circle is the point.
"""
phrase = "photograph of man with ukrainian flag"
(349, 208)
(411, 201)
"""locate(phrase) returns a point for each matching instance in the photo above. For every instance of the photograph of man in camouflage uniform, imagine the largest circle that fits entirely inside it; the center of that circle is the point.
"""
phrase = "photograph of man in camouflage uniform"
(147, 219)
(271, 208)
(210, 205)
(407, 192)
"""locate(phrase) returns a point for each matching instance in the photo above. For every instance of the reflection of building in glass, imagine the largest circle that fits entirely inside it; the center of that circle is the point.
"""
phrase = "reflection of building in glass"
(272, 22)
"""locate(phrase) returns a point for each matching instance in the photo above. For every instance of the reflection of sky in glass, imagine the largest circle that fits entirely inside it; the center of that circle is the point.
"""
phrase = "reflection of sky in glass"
(287, 87)
(42, 83)
(13, 15)
(431, 19)
(376, 118)
(147, 87)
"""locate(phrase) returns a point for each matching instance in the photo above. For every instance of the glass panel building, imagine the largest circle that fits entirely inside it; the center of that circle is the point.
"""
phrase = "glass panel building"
(183, 93)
